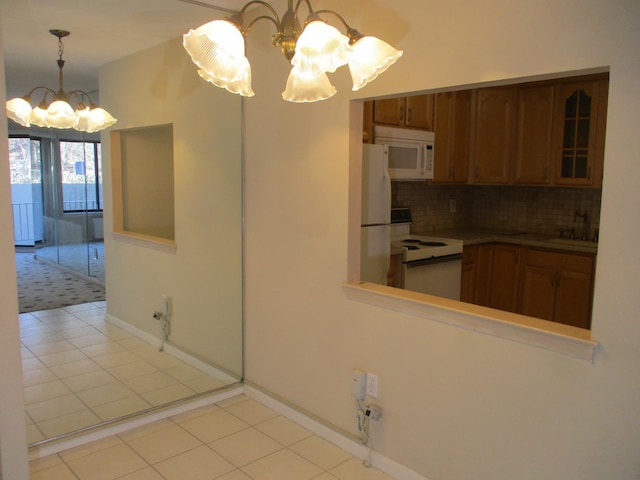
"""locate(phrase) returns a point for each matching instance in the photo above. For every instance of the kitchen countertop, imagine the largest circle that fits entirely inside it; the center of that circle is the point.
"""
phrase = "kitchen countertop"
(471, 236)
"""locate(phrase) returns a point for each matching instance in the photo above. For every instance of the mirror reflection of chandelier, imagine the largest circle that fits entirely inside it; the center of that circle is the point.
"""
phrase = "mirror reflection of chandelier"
(55, 110)
(315, 49)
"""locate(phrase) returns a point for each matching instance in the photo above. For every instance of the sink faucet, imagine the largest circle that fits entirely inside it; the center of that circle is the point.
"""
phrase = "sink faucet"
(585, 218)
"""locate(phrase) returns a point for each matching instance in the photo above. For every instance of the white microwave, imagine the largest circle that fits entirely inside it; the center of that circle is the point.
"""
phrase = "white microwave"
(410, 152)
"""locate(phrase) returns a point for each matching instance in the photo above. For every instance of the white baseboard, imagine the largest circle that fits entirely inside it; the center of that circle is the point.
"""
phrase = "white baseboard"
(171, 349)
(379, 461)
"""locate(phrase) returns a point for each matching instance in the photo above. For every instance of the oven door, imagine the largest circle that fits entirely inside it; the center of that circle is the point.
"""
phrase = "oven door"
(440, 276)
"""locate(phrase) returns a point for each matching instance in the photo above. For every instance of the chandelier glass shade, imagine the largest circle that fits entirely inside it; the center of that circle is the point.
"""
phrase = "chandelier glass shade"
(55, 110)
(315, 49)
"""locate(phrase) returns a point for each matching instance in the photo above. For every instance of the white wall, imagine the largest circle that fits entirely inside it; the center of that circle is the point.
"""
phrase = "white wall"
(203, 276)
(458, 404)
(13, 435)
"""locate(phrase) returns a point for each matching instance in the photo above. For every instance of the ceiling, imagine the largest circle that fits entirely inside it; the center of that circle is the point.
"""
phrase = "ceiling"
(101, 31)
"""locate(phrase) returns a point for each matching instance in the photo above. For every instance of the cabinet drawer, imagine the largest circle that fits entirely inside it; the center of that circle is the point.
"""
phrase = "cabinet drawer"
(582, 263)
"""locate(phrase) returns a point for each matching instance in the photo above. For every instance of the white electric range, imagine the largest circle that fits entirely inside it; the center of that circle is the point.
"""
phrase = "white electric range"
(431, 265)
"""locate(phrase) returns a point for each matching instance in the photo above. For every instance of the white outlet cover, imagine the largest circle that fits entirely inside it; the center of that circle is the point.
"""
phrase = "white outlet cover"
(372, 385)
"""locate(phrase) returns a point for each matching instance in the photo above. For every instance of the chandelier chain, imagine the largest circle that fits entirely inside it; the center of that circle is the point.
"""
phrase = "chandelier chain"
(60, 48)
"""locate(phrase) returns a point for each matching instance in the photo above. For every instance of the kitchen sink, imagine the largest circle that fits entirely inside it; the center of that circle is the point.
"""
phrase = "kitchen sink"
(575, 242)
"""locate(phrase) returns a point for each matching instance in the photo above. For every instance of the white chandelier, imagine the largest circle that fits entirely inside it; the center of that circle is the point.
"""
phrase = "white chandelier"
(55, 110)
(218, 49)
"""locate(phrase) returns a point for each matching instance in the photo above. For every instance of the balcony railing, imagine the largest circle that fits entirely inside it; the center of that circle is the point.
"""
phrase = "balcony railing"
(27, 223)
(80, 206)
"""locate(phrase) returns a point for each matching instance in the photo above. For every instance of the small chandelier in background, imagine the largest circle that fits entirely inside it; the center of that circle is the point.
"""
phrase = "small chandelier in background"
(218, 49)
(55, 110)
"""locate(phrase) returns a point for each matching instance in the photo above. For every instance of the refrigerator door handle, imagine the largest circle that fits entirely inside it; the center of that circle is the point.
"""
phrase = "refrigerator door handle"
(387, 184)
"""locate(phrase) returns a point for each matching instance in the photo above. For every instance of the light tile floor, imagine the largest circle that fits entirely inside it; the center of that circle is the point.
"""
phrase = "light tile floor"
(80, 370)
(236, 439)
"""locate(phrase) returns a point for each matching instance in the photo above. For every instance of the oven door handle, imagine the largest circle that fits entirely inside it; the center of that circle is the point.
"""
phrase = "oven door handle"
(433, 260)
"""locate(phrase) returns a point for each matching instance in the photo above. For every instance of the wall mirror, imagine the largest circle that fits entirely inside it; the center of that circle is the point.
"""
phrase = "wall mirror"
(85, 369)
(517, 179)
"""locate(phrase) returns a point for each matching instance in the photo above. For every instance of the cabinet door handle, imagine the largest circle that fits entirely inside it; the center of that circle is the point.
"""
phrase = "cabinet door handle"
(453, 173)
(401, 113)
(475, 172)
(409, 115)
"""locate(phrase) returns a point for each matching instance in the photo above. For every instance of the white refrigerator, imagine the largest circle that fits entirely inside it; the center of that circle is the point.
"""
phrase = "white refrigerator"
(375, 231)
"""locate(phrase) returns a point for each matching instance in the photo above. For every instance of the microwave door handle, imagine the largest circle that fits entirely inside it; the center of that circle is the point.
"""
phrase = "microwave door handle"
(423, 157)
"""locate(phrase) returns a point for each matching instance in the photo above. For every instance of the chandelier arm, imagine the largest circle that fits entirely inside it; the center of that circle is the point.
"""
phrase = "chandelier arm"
(264, 4)
(353, 34)
(80, 95)
(344, 22)
(46, 89)
(308, 6)
(245, 32)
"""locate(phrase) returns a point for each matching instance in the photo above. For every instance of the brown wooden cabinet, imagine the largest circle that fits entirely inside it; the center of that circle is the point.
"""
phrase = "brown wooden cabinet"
(504, 278)
(367, 122)
(542, 283)
(578, 133)
(484, 274)
(452, 127)
(543, 133)
(469, 270)
(533, 141)
(557, 286)
(395, 271)
(493, 134)
(490, 275)
(406, 112)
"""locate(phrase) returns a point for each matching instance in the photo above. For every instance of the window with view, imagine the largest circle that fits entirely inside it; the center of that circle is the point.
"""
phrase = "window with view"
(81, 171)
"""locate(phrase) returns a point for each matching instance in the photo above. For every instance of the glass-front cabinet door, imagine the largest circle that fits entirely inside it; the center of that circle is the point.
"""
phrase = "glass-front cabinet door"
(579, 107)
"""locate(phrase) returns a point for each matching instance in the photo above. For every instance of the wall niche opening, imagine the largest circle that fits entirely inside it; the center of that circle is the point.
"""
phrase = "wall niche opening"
(143, 183)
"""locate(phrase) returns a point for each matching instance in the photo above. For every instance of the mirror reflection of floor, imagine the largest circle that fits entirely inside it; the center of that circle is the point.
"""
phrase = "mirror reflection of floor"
(43, 285)
(85, 258)
(80, 370)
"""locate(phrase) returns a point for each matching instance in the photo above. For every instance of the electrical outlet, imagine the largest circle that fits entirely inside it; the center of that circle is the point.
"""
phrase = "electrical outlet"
(358, 383)
(372, 385)
(452, 206)
(373, 411)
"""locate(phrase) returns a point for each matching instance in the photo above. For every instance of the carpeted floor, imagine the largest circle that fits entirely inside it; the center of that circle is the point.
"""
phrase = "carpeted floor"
(42, 286)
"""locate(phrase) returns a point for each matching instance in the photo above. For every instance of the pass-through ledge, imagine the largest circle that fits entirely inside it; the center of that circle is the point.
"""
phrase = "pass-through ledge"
(565, 339)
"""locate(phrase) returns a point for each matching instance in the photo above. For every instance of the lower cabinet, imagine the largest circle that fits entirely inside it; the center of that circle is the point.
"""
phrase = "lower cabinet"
(557, 286)
(492, 275)
(547, 284)
(504, 281)
(394, 273)
(468, 278)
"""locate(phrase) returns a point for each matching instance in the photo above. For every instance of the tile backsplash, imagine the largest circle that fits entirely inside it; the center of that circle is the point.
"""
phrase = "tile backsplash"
(541, 210)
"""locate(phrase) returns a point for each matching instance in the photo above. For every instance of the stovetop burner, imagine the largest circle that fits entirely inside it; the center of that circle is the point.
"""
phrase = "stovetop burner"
(417, 247)
(424, 242)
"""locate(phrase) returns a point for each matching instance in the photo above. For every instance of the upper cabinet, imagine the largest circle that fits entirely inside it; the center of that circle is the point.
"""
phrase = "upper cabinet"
(547, 133)
(492, 137)
(408, 112)
(452, 127)
(533, 139)
(578, 143)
